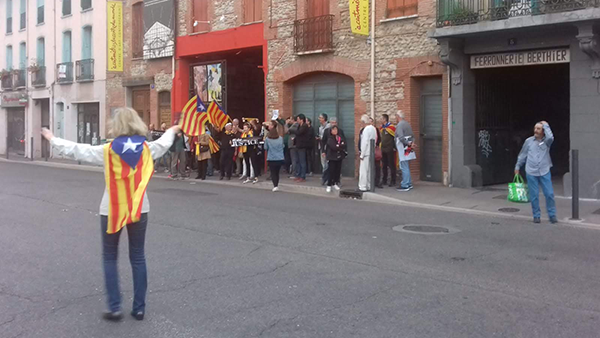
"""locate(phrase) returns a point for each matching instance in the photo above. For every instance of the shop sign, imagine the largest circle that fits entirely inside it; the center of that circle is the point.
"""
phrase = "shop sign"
(13, 99)
(523, 58)
(115, 36)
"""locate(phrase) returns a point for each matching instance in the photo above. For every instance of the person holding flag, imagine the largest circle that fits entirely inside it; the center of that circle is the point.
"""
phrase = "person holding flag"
(128, 166)
(203, 153)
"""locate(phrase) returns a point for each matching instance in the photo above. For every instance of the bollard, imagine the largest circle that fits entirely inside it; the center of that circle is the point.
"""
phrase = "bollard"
(575, 183)
(31, 148)
(372, 165)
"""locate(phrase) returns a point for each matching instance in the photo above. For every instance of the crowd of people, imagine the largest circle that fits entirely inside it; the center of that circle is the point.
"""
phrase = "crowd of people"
(291, 146)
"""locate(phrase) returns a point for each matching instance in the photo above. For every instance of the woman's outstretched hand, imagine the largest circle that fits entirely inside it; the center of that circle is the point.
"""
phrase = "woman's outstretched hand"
(47, 134)
(176, 128)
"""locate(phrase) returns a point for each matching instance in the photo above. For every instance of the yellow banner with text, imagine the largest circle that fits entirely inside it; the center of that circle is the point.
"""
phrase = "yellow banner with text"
(115, 36)
(359, 16)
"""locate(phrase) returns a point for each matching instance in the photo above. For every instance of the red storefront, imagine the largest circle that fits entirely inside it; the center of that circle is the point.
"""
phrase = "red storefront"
(229, 66)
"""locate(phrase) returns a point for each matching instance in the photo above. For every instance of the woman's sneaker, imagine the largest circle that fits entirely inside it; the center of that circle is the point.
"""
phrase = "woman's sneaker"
(247, 181)
(255, 180)
(328, 189)
(276, 189)
(337, 187)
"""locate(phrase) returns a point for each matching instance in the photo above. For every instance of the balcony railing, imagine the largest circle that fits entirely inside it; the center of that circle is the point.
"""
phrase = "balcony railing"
(85, 70)
(313, 35)
(38, 76)
(7, 82)
(465, 12)
(64, 72)
(20, 78)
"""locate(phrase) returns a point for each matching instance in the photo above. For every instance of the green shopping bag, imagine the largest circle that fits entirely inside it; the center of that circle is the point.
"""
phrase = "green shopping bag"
(517, 190)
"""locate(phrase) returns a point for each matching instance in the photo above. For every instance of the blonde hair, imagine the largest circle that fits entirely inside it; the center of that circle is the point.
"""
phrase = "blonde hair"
(127, 122)
(365, 118)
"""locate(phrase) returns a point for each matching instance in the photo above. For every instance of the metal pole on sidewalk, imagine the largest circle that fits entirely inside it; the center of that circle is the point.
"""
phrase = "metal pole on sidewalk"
(372, 165)
(31, 147)
(7, 138)
(575, 183)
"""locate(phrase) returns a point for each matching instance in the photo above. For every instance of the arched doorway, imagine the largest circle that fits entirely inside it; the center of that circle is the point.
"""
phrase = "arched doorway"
(332, 94)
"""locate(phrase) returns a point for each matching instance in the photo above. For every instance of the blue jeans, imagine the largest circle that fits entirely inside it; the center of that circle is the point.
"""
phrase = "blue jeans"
(325, 165)
(295, 167)
(406, 180)
(136, 233)
(534, 182)
(301, 159)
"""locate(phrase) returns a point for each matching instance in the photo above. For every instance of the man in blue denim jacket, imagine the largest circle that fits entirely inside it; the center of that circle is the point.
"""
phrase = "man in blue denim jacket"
(536, 154)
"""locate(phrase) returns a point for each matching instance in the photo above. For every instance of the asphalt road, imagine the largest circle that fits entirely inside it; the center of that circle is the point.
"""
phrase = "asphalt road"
(241, 262)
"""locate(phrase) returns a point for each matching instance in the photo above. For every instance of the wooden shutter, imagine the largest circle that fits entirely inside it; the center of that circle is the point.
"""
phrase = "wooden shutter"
(318, 8)
(200, 15)
(252, 11)
(137, 30)
(400, 8)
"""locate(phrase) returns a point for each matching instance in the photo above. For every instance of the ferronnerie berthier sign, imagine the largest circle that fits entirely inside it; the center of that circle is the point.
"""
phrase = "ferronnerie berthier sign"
(522, 58)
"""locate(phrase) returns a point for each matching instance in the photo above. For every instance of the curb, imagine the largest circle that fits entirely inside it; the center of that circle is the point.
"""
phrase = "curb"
(318, 191)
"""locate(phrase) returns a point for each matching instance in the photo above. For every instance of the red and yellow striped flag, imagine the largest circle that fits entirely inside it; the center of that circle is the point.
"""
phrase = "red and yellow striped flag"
(213, 145)
(128, 167)
(217, 116)
(194, 117)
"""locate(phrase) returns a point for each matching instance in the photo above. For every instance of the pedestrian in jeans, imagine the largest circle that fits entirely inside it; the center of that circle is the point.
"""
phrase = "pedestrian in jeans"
(310, 151)
(227, 152)
(275, 158)
(203, 154)
(292, 128)
(336, 152)
(404, 138)
(129, 150)
(323, 125)
(178, 153)
(302, 142)
(535, 154)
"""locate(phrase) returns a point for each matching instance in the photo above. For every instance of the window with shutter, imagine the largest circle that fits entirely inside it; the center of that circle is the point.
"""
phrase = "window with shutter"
(41, 51)
(252, 11)
(40, 11)
(401, 8)
(8, 16)
(200, 17)
(86, 4)
(137, 30)
(22, 55)
(66, 7)
(86, 43)
(23, 14)
(66, 47)
(9, 57)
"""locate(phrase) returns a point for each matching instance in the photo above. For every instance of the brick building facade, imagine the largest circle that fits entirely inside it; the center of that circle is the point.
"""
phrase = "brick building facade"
(408, 73)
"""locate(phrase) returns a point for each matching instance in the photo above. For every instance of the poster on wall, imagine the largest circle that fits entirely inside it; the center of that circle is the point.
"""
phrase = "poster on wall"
(209, 82)
(114, 36)
(159, 34)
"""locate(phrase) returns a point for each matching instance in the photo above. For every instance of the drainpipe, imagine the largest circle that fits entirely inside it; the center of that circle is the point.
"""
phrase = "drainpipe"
(450, 118)
(373, 58)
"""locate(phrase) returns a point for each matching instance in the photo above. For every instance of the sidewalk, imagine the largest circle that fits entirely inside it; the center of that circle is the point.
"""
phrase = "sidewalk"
(485, 201)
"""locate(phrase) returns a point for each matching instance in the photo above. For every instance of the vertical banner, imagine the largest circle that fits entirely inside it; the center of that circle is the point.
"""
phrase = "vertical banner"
(159, 32)
(115, 36)
(359, 16)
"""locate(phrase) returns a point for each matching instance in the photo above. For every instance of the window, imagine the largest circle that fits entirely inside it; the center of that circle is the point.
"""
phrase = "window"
(66, 47)
(22, 55)
(41, 52)
(86, 43)
(252, 10)
(400, 8)
(40, 11)
(9, 58)
(86, 4)
(8, 16)
(200, 16)
(23, 14)
(66, 7)
(137, 30)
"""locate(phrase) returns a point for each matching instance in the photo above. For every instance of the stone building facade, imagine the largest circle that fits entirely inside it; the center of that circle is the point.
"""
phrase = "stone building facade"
(145, 84)
(409, 75)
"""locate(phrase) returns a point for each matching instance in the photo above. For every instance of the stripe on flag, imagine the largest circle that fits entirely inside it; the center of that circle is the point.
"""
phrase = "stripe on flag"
(217, 116)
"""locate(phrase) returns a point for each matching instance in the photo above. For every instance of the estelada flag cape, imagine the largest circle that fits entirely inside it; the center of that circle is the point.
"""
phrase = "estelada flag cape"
(128, 167)
(389, 128)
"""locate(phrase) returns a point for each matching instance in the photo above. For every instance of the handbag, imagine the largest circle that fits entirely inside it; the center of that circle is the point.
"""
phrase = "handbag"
(204, 148)
(517, 190)
(378, 154)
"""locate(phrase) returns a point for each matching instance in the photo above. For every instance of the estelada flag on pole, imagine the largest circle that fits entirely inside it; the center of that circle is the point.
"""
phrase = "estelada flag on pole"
(128, 167)
(194, 117)
(217, 116)
(213, 145)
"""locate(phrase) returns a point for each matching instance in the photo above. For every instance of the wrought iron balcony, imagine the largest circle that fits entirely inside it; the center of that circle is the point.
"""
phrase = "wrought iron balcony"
(20, 78)
(85, 70)
(7, 82)
(313, 35)
(38, 76)
(466, 12)
(64, 72)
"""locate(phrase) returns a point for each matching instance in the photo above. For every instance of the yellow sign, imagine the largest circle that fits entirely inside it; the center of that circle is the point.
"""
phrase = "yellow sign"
(359, 16)
(115, 36)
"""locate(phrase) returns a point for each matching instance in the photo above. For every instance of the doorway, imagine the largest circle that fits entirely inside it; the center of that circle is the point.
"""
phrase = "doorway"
(45, 103)
(509, 102)
(141, 103)
(431, 130)
(16, 131)
(88, 123)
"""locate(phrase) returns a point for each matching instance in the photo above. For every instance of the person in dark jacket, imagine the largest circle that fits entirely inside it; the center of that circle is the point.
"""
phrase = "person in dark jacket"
(310, 152)
(388, 150)
(227, 152)
(336, 151)
(302, 142)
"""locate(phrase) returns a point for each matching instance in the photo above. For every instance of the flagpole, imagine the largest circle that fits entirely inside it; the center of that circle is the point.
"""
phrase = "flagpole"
(373, 59)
